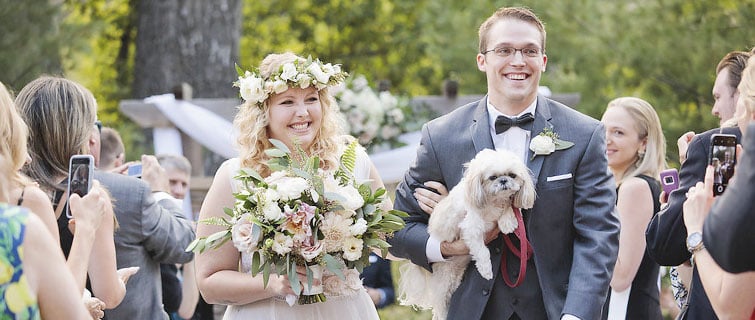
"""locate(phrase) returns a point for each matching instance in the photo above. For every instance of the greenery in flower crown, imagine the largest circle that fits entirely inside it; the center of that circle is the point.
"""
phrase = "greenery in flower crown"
(303, 74)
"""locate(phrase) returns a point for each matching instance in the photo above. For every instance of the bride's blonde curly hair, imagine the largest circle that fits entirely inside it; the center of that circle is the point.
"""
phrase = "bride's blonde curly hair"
(252, 124)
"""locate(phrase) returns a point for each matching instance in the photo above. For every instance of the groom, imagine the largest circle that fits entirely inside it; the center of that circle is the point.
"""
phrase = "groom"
(572, 228)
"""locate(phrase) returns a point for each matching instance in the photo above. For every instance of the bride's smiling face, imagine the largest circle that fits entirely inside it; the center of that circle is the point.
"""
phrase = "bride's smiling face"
(295, 116)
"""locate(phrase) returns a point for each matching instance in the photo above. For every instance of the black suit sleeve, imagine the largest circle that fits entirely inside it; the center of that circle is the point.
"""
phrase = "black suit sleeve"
(666, 234)
(728, 231)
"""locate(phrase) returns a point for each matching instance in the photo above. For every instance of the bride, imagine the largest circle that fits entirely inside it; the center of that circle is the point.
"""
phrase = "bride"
(297, 114)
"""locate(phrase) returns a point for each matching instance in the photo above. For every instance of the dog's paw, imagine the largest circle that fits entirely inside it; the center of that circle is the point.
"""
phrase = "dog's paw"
(485, 270)
(507, 224)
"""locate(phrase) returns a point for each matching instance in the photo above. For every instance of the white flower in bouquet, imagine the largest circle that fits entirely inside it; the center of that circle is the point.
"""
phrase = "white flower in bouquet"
(309, 253)
(359, 227)
(360, 83)
(245, 234)
(335, 230)
(282, 243)
(352, 248)
(272, 211)
(290, 188)
(388, 101)
(352, 199)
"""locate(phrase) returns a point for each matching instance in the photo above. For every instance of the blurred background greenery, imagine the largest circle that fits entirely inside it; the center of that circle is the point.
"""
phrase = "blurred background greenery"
(664, 51)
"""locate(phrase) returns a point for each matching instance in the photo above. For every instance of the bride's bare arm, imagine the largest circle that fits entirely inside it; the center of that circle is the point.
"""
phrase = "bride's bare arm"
(218, 277)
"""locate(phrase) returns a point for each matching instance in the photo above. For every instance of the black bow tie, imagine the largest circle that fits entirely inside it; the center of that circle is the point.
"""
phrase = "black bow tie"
(503, 123)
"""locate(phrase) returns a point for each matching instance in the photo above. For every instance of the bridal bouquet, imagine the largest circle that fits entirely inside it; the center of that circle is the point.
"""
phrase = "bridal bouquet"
(303, 216)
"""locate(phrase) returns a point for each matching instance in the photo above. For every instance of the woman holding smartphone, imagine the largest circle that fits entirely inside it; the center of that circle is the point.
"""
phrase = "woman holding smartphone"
(87, 239)
(635, 148)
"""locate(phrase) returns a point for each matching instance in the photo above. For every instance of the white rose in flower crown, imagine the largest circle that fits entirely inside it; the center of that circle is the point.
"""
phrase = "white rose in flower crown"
(282, 243)
(252, 89)
(279, 86)
(352, 248)
(542, 145)
(359, 227)
(319, 75)
(291, 187)
(245, 234)
(304, 80)
(289, 72)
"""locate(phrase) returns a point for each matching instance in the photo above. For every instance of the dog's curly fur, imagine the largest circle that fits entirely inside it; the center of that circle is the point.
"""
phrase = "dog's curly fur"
(492, 183)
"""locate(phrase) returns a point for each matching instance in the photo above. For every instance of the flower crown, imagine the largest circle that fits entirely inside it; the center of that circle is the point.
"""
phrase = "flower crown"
(256, 89)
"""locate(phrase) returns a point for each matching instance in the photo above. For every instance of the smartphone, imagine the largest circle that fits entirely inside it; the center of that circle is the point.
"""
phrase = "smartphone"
(669, 180)
(135, 170)
(723, 158)
(80, 171)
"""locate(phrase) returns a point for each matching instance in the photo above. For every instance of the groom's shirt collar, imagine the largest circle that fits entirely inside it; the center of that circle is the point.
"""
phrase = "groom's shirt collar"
(515, 139)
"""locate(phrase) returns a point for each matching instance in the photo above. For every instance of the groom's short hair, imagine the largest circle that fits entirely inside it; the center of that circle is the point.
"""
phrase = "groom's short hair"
(518, 13)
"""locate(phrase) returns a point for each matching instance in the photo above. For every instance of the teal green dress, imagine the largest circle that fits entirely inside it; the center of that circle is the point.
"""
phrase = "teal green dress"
(16, 298)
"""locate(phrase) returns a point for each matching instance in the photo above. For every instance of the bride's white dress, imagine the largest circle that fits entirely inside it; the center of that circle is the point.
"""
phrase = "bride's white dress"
(356, 306)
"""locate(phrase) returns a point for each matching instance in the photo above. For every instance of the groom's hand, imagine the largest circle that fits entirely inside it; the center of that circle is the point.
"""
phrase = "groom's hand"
(458, 247)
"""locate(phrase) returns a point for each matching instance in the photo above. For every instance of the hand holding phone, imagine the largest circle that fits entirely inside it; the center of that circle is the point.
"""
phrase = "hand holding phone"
(135, 170)
(80, 171)
(723, 158)
(669, 180)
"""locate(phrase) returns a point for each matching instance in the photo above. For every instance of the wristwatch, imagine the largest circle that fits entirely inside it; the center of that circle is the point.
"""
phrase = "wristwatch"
(695, 242)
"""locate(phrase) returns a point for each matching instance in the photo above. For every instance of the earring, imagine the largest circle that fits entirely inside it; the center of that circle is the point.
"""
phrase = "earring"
(641, 154)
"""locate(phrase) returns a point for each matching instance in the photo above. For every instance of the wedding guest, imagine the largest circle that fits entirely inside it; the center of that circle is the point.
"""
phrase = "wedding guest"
(301, 115)
(112, 152)
(723, 234)
(572, 227)
(186, 303)
(636, 151)
(23, 191)
(28, 290)
(666, 233)
(87, 239)
(61, 114)
(378, 281)
(728, 229)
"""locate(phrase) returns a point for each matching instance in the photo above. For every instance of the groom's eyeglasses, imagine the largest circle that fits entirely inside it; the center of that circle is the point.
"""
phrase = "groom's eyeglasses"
(505, 52)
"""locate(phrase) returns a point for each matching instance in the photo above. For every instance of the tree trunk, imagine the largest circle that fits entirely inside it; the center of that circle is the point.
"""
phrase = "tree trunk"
(192, 41)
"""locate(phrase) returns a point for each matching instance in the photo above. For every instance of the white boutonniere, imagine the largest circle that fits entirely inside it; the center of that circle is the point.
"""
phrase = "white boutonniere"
(547, 142)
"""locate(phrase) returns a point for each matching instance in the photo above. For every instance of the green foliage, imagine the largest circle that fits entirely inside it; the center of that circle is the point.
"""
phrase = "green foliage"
(662, 51)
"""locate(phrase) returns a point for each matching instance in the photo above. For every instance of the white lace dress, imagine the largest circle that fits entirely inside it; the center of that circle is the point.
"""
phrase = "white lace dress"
(355, 306)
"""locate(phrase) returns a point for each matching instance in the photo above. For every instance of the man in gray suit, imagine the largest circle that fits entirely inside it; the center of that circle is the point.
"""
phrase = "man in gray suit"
(152, 230)
(572, 228)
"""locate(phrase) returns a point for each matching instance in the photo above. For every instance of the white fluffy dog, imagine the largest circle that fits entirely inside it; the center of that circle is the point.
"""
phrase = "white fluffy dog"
(492, 183)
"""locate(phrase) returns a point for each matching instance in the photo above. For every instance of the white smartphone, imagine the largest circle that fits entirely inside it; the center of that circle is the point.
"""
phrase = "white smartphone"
(80, 171)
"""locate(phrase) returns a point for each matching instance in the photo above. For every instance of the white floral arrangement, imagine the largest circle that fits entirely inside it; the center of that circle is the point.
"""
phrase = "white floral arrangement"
(376, 119)
(548, 142)
(256, 89)
(304, 216)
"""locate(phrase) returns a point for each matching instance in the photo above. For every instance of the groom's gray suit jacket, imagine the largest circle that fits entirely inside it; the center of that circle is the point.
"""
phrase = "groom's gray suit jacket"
(572, 227)
(150, 233)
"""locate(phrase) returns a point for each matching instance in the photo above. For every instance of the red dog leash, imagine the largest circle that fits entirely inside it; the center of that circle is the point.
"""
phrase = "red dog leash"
(523, 255)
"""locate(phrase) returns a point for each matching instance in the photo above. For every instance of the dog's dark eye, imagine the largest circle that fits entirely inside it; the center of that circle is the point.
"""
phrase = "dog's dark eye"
(511, 175)
(492, 178)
